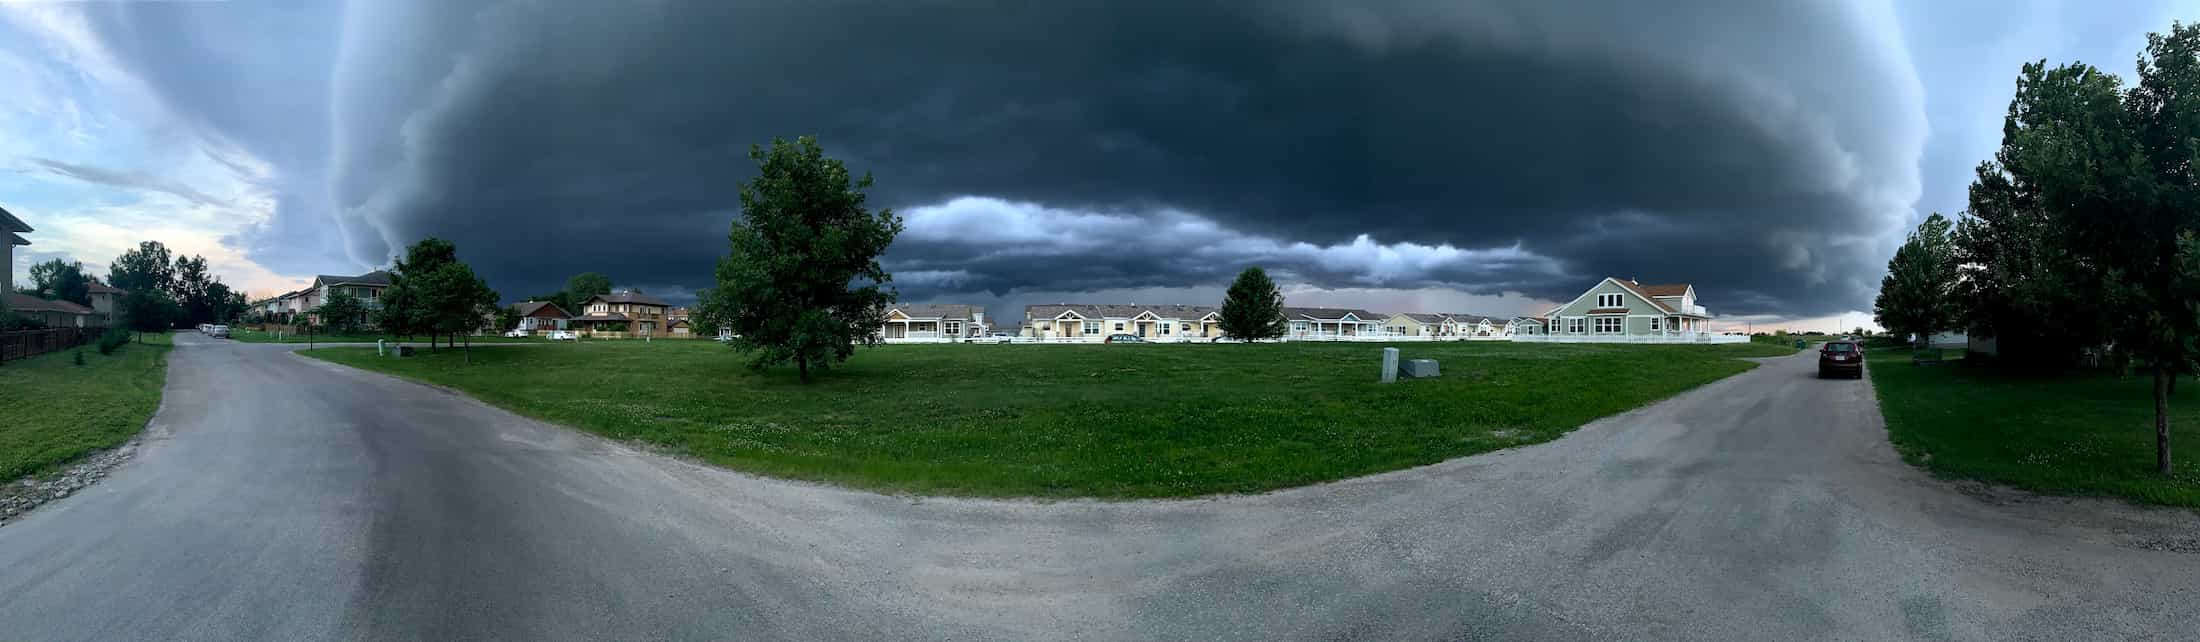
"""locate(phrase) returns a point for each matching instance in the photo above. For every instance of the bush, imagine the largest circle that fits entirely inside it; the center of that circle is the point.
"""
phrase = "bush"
(114, 338)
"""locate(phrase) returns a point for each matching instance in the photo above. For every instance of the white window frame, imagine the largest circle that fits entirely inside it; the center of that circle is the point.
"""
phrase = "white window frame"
(1608, 325)
(954, 328)
(1654, 324)
(1166, 327)
(1611, 300)
(1298, 326)
(1092, 327)
(1118, 326)
(1576, 325)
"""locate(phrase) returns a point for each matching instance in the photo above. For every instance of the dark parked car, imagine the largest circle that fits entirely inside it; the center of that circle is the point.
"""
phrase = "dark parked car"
(1124, 338)
(1840, 358)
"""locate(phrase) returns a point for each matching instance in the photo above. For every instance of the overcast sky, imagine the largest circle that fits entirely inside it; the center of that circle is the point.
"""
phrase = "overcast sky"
(1457, 156)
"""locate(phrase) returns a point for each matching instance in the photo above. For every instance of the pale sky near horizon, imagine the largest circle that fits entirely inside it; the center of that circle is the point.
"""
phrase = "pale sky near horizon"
(1396, 156)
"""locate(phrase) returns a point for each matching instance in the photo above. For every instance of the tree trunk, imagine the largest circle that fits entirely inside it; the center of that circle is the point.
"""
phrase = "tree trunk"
(2162, 380)
(802, 368)
(469, 350)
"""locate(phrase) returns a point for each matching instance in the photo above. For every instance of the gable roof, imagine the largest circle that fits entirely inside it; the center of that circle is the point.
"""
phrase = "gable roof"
(26, 303)
(9, 223)
(375, 278)
(1423, 317)
(529, 308)
(1665, 290)
(102, 288)
(1099, 311)
(1471, 318)
(937, 311)
(629, 296)
(1330, 314)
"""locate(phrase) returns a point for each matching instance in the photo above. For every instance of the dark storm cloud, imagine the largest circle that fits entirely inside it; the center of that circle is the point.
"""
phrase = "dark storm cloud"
(1749, 147)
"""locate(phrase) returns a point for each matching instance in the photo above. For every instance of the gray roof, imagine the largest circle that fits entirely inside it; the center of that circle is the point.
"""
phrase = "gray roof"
(9, 223)
(1101, 311)
(629, 296)
(1424, 317)
(603, 317)
(937, 310)
(1474, 318)
(1330, 314)
(17, 239)
(377, 277)
(529, 308)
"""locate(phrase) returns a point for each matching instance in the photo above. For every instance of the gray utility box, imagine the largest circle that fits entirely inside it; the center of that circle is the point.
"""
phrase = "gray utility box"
(1419, 369)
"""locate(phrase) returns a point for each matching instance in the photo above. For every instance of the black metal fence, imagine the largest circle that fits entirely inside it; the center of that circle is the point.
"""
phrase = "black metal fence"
(24, 344)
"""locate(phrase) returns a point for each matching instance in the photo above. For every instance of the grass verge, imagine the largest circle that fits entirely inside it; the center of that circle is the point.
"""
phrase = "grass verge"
(1110, 421)
(2081, 434)
(53, 411)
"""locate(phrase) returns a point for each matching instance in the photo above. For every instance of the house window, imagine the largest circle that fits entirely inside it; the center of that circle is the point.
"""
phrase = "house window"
(1298, 326)
(1118, 326)
(1654, 324)
(1609, 300)
(1165, 328)
(1187, 327)
(1093, 327)
(1609, 325)
(954, 327)
(1573, 325)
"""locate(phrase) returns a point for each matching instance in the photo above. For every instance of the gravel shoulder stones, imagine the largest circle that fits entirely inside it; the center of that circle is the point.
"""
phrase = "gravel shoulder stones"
(22, 495)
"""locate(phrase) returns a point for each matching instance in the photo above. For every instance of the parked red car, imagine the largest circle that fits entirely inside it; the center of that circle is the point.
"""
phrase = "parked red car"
(1842, 358)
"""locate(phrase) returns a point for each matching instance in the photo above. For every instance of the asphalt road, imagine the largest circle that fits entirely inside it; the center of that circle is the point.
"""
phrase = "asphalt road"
(279, 497)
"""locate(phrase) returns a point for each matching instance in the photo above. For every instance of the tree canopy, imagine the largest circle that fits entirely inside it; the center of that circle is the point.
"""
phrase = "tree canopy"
(61, 281)
(802, 282)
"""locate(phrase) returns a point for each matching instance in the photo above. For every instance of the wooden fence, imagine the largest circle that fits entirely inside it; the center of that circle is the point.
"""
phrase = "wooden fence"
(30, 343)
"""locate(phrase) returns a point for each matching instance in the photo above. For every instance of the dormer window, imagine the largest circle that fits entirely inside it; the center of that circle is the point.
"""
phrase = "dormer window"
(1612, 300)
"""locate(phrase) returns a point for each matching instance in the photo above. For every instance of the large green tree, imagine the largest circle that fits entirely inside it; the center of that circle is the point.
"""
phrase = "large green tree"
(2078, 230)
(453, 300)
(149, 266)
(1917, 297)
(1253, 307)
(404, 306)
(62, 281)
(802, 282)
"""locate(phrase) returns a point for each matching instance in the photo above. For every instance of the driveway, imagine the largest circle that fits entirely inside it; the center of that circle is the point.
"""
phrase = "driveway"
(281, 497)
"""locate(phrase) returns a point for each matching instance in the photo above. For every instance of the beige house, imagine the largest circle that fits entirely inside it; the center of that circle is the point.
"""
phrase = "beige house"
(624, 313)
(1095, 322)
(107, 303)
(932, 323)
(1416, 324)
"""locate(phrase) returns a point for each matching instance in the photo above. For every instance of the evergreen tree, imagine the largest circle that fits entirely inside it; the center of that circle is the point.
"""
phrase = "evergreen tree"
(1253, 308)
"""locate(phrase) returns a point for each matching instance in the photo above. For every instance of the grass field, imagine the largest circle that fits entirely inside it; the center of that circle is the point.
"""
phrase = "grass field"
(2069, 435)
(247, 335)
(1112, 421)
(53, 411)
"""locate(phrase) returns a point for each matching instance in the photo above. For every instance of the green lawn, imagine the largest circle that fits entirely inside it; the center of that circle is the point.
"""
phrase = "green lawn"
(53, 411)
(247, 335)
(1116, 421)
(2082, 434)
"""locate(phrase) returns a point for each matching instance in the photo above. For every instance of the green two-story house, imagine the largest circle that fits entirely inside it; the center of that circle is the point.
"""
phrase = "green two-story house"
(1623, 311)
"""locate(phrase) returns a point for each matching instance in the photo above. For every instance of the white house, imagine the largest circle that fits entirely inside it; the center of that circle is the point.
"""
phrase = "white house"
(1624, 311)
(932, 323)
(1095, 322)
(1332, 323)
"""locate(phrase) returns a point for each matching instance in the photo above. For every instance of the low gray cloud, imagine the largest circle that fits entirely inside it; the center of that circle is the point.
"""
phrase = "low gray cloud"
(1766, 151)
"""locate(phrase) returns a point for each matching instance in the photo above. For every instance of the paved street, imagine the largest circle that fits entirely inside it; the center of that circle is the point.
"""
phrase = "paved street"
(278, 497)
